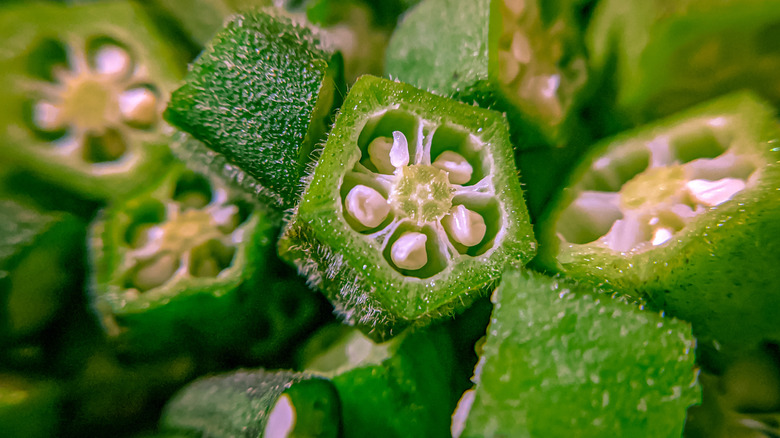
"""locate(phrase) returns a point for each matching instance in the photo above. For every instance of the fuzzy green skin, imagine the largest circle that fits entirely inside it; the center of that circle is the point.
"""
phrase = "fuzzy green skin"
(254, 95)
(449, 47)
(34, 416)
(237, 405)
(193, 313)
(350, 269)
(403, 389)
(25, 27)
(717, 272)
(555, 348)
(43, 251)
(644, 39)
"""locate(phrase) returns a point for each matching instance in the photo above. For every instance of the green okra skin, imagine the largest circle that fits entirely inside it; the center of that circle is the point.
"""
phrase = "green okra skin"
(403, 387)
(41, 258)
(522, 58)
(668, 55)
(255, 403)
(363, 233)
(562, 357)
(29, 407)
(181, 267)
(682, 212)
(261, 94)
(87, 85)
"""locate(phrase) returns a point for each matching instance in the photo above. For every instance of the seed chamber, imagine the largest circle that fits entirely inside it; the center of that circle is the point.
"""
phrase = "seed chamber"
(195, 230)
(641, 194)
(89, 99)
(422, 192)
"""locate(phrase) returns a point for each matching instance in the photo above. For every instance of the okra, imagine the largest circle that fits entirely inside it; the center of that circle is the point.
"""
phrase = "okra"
(523, 57)
(85, 89)
(254, 404)
(672, 54)
(181, 266)
(560, 357)
(683, 212)
(41, 257)
(399, 388)
(414, 193)
(261, 95)
(29, 407)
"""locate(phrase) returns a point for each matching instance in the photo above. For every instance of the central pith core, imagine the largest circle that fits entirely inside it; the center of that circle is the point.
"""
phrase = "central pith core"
(421, 192)
(88, 104)
(654, 186)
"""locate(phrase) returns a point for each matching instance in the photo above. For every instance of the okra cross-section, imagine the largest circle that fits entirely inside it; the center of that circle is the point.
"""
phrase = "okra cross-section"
(684, 212)
(413, 209)
(261, 95)
(178, 267)
(561, 357)
(85, 90)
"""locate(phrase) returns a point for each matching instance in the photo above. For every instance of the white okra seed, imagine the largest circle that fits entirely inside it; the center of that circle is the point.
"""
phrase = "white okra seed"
(112, 60)
(712, 193)
(281, 419)
(367, 206)
(465, 226)
(156, 273)
(408, 252)
(138, 106)
(515, 6)
(379, 154)
(47, 116)
(399, 153)
(521, 48)
(458, 169)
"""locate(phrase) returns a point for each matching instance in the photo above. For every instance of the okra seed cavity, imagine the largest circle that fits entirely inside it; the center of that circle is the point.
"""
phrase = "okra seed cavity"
(465, 226)
(458, 169)
(408, 252)
(281, 419)
(367, 206)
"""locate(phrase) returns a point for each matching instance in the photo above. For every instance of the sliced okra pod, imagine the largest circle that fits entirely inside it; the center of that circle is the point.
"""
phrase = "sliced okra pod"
(256, 404)
(414, 193)
(685, 213)
(261, 95)
(402, 387)
(85, 89)
(181, 265)
(29, 407)
(670, 55)
(523, 57)
(562, 357)
(40, 261)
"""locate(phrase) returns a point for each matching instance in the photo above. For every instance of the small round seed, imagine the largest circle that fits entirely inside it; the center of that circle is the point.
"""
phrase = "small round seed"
(379, 154)
(508, 67)
(112, 60)
(521, 48)
(367, 206)
(408, 252)
(156, 273)
(516, 7)
(712, 193)
(47, 116)
(399, 153)
(281, 419)
(662, 235)
(465, 226)
(138, 106)
(458, 170)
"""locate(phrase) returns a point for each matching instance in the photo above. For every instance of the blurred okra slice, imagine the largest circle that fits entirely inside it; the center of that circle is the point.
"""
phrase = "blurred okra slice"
(669, 55)
(255, 404)
(181, 266)
(562, 357)
(85, 89)
(400, 388)
(262, 95)
(521, 57)
(29, 407)
(41, 266)
(414, 193)
(683, 212)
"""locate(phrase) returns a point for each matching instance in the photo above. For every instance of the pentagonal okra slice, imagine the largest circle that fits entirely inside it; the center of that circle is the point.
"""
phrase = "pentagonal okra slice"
(29, 407)
(402, 387)
(670, 55)
(40, 267)
(562, 357)
(256, 403)
(684, 212)
(86, 87)
(413, 192)
(174, 264)
(261, 95)
(523, 57)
